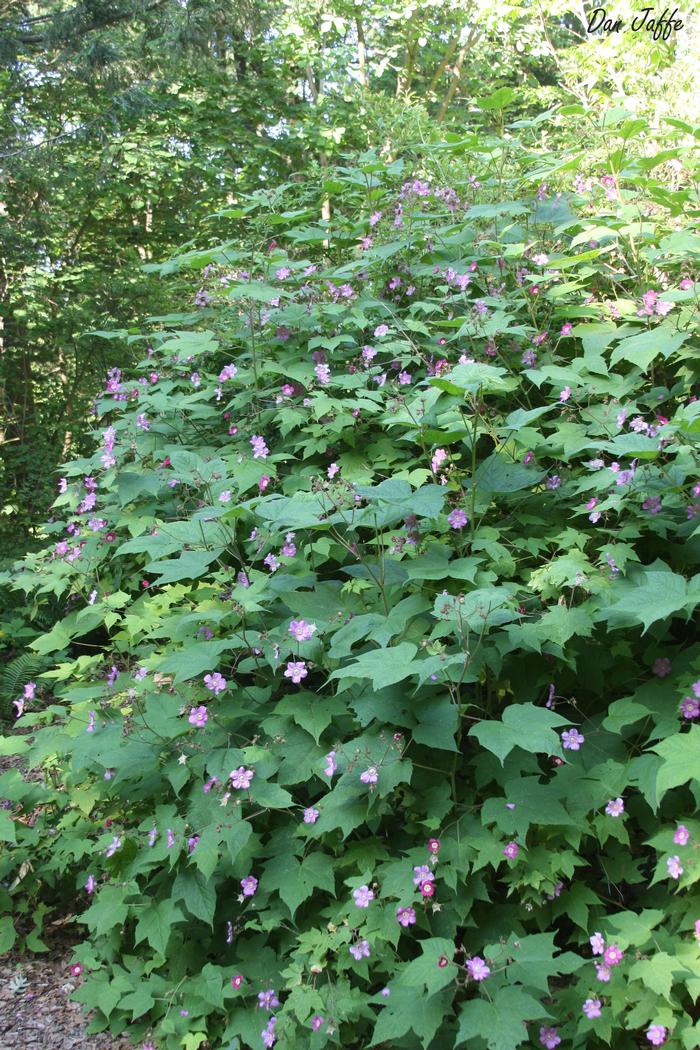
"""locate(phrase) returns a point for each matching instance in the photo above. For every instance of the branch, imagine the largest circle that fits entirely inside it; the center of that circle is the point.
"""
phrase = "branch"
(457, 72)
(40, 38)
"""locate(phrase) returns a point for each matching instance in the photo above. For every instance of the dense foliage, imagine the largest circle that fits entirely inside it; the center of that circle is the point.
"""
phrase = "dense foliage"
(373, 713)
(124, 123)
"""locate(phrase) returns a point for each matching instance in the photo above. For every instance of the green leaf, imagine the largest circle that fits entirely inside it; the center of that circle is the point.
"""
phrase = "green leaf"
(498, 474)
(502, 1021)
(107, 910)
(7, 934)
(382, 666)
(189, 566)
(640, 350)
(424, 972)
(295, 881)
(155, 925)
(523, 725)
(198, 894)
(680, 760)
(7, 827)
(646, 594)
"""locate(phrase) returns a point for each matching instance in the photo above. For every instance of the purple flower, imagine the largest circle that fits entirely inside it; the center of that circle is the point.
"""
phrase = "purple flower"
(553, 483)
(380, 330)
(572, 739)
(511, 851)
(316, 1022)
(656, 1034)
(90, 884)
(681, 835)
(615, 807)
(549, 1037)
(333, 469)
(370, 776)
(675, 868)
(363, 895)
(690, 707)
(225, 496)
(249, 885)
(240, 778)
(331, 764)
(422, 873)
(566, 328)
(597, 943)
(260, 449)
(301, 630)
(268, 1000)
(602, 972)
(477, 969)
(361, 950)
(457, 519)
(272, 562)
(406, 916)
(114, 845)
(198, 716)
(323, 374)
(296, 670)
(591, 1008)
(311, 815)
(215, 683)
(152, 836)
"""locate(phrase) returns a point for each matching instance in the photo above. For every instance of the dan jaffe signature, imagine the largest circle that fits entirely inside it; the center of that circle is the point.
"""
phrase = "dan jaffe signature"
(660, 26)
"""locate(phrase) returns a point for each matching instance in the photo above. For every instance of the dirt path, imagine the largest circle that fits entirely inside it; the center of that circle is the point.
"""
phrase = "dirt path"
(36, 1012)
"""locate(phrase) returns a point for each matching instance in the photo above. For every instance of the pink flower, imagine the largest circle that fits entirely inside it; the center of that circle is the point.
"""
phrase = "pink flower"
(603, 972)
(296, 670)
(76, 970)
(427, 888)
(681, 835)
(333, 469)
(316, 1022)
(249, 885)
(311, 815)
(477, 969)
(565, 394)
(566, 328)
(301, 630)
(572, 739)
(225, 496)
(237, 981)
(612, 955)
(198, 716)
(591, 1008)
(241, 778)
(362, 896)
(511, 851)
(615, 807)
(549, 1037)
(434, 845)
(406, 916)
(215, 683)
(656, 1034)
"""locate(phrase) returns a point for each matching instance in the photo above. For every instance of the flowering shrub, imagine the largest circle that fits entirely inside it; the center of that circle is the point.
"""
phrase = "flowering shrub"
(385, 731)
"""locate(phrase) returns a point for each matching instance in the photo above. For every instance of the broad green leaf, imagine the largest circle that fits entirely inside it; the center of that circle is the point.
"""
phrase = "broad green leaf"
(523, 725)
